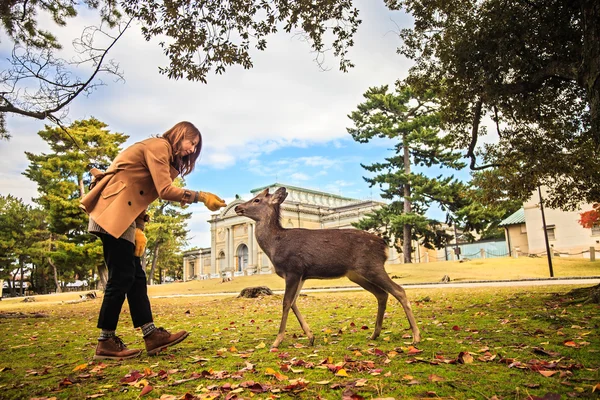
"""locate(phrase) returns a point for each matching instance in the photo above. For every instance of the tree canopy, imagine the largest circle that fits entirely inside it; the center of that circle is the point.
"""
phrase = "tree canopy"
(533, 68)
(197, 38)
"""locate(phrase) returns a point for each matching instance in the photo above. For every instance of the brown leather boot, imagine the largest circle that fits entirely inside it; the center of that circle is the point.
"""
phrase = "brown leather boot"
(161, 338)
(114, 349)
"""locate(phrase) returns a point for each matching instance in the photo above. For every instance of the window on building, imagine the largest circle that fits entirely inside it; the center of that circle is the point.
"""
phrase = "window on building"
(596, 229)
(550, 229)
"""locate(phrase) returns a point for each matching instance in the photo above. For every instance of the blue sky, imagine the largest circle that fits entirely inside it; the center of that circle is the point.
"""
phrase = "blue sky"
(283, 121)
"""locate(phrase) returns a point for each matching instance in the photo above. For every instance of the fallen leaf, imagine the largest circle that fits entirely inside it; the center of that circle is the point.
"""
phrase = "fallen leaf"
(80, 367)
(546, 373)
(277, 375)
(147, 389)
(464, 357)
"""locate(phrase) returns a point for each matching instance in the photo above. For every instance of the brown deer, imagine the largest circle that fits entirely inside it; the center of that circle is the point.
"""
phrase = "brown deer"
(299, 254)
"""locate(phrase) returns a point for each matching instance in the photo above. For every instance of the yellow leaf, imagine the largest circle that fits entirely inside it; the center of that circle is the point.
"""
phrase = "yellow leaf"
(341, 372)
(261, 345)
(80, 367)
(548, 374)
(140, 383)
(323, 382)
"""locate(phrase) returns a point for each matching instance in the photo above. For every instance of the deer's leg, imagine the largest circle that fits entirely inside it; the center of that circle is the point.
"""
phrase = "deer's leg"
(303, 324)
(292, 285)
(387, 284)
(381, 296)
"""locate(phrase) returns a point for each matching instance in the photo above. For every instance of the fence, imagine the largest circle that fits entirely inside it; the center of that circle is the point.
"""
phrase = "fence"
(483, 249)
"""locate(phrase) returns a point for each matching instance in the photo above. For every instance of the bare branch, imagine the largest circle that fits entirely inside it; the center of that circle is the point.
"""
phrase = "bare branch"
(56, 85)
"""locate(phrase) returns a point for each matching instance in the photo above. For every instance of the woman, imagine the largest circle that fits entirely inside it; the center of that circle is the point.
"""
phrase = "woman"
(116, 205)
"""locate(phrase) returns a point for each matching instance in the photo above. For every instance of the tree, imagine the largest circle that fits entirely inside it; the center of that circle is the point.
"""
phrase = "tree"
(411, 121)
(62, 177)
(197, 37)
(166, 232)
(530, 66)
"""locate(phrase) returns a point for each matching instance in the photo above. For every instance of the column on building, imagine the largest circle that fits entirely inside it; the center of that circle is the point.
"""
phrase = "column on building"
(185, 267)
(200, 265)
(231, 250)
(213, 246)
(251, 258)
(227, 251)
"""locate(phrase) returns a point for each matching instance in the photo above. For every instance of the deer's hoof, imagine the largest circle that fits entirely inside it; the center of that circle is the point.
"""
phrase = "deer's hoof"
(311, 340)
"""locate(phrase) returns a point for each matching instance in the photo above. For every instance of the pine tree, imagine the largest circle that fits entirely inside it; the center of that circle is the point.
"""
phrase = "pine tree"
(411, 121)
(62, 176)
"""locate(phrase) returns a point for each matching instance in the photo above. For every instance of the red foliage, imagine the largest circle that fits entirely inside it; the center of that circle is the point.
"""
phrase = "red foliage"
(590, 218)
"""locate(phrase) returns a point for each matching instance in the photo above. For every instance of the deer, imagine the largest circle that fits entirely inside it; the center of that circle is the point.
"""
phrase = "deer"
(298, 254)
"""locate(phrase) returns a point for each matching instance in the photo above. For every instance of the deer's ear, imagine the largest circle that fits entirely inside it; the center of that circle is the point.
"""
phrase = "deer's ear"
(279, 195)
(264, 192)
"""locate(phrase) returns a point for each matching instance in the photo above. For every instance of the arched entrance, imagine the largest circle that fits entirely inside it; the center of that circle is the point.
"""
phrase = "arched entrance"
(241, 258)
(221, 262)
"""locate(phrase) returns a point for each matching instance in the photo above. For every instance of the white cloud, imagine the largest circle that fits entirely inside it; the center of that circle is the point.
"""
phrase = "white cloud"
(284, 106)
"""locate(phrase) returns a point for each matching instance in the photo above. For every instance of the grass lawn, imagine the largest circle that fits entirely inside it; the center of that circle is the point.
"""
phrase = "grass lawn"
(511, 343)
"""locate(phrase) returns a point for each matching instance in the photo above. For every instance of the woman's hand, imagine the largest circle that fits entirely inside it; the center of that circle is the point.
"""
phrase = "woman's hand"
(140, 242)
(211, 201)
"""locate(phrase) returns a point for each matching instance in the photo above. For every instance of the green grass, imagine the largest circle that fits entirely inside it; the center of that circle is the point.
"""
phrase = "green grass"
(228, 352)
(228, 356)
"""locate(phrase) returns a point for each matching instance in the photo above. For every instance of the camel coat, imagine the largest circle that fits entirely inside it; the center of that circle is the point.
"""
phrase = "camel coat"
(138, 175)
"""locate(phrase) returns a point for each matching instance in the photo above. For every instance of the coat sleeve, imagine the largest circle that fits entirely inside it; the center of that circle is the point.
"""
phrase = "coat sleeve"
(157, 156)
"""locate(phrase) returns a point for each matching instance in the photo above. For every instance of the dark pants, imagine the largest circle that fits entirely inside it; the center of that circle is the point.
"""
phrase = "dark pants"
(126, 278)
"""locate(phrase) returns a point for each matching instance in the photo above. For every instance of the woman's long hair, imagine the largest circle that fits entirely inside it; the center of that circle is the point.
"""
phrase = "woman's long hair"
(177, 134)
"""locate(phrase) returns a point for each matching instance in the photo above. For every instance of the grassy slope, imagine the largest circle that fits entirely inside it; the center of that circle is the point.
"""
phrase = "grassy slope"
(474, 270)
(501, 328)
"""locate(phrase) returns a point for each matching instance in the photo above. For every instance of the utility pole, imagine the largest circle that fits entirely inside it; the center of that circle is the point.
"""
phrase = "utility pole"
(546, 234)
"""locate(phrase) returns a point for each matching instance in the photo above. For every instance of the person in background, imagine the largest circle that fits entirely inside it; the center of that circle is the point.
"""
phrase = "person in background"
(116, 205)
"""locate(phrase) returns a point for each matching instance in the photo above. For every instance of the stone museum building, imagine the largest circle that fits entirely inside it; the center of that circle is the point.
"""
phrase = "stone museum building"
(233, 248)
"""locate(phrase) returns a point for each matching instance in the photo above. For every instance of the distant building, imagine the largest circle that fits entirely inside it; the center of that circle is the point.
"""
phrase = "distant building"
(524, 231)
(234, 247)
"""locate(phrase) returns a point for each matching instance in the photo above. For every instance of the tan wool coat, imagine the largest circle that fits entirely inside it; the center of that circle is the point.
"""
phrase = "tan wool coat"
(138, 175)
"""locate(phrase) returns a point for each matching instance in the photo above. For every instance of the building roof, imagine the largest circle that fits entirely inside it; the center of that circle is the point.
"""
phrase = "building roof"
(516, 218)
(278, 185)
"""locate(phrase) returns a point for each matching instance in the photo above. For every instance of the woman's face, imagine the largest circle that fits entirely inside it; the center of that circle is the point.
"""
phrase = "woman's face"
(188, 146)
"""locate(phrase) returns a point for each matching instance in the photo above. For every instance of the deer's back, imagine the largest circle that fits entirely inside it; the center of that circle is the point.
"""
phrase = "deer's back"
(327, 251)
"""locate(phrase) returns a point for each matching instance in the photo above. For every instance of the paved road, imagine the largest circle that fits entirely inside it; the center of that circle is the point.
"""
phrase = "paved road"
(525, 282)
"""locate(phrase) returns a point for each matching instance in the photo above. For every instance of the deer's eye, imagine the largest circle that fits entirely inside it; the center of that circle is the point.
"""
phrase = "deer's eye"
(256, 200)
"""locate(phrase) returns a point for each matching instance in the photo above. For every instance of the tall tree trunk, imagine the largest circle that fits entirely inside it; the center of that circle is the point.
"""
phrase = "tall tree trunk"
(21, 267)
(407, 229)
(58, 288)
(155, 253)
(11, 286)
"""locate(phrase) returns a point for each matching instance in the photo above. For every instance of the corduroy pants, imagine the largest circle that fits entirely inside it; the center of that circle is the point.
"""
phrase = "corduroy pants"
(126, 279)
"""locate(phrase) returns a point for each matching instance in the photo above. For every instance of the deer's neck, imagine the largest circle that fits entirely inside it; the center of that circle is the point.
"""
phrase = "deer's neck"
(268, 232)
